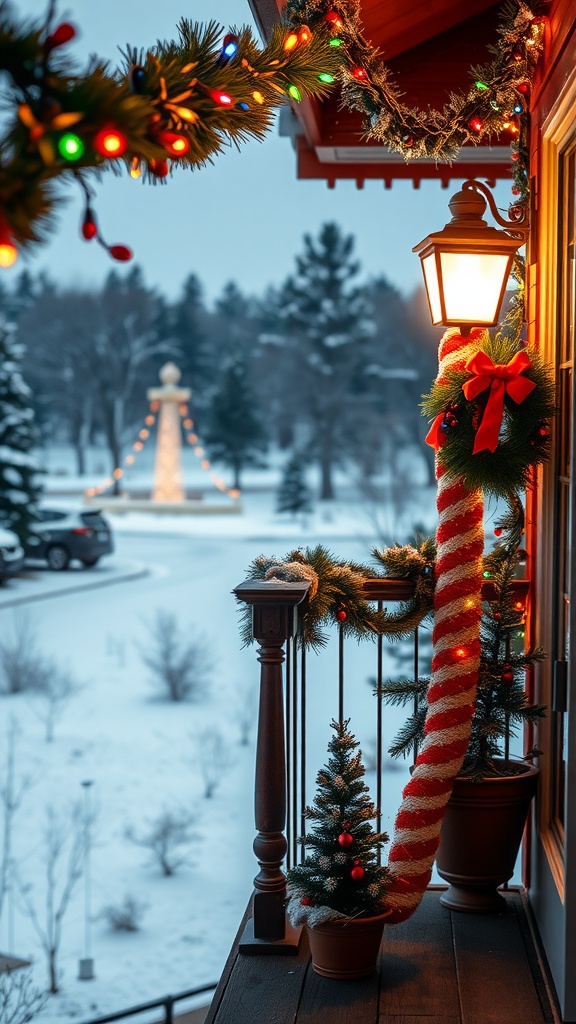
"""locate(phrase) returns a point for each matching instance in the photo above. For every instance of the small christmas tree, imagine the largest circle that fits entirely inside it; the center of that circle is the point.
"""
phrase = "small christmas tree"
(340, 877)
(19, 491)
(293, 493)
(235, 434)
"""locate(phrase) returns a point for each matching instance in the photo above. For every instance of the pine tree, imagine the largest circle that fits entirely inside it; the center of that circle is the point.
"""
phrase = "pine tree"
(340, 876)
(19, 490)
(293, 493)
(235, 434)
(327, 321)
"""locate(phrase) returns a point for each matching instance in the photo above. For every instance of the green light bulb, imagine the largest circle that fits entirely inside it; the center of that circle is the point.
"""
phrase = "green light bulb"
(70, 146)
(335, 42)
(294, 93)
(325, 77)
(487, 575)
(482, 86)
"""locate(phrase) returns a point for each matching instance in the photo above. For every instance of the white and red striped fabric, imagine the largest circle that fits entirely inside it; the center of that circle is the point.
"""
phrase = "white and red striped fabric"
(455, 662)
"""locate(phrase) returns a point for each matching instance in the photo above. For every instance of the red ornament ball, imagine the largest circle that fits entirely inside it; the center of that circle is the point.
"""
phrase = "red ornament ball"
(357, 873)
(498, 531)
(345, 839)
(515, 190)
(523, 88)
(341, 615)
(306, 901)
(508, 675)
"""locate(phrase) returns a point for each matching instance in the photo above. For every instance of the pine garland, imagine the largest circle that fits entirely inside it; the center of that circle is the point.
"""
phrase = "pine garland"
(336, 594)
(185, 100)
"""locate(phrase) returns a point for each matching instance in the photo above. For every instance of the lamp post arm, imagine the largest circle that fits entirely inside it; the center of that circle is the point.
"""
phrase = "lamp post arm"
(518, 225)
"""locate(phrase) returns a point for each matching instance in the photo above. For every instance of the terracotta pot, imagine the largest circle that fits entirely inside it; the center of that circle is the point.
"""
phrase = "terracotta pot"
(346, 949)
(480, 838)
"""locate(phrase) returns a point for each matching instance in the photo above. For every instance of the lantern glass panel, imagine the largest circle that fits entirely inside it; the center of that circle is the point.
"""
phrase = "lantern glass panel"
(473, 286)
(430, 269)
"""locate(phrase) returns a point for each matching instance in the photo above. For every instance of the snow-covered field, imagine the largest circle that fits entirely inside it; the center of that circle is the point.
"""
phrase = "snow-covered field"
(141, 753)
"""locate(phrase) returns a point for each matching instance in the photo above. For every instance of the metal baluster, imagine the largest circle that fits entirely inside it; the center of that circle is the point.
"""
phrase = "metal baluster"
(341, 674)
(303, 750)
(380, 644)
(295, 816)
(290, 825)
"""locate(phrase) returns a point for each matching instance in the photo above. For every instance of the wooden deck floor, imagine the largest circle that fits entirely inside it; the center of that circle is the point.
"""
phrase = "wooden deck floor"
(439, 967)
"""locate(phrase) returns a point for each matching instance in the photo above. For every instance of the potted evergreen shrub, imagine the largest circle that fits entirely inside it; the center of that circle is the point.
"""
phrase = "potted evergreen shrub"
(486, 814)
(338, 892)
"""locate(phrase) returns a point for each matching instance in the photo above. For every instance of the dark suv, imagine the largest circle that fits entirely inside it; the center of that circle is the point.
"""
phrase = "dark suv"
(62, 534)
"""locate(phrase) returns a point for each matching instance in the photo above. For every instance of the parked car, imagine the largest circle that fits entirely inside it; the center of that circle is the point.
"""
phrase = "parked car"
(61, 534)
(11, 554)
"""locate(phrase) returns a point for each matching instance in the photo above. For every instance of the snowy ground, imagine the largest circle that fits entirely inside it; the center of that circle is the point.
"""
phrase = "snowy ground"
(141, 752)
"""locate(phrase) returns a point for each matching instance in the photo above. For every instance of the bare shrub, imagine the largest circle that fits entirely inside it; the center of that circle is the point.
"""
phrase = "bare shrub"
(13, 788)
(52, 695)
(214, 757)
(246, 711)
(20, 1001)
(22, 667)
(167, 838)
(63, 849)
(126, 916)
(179, 663)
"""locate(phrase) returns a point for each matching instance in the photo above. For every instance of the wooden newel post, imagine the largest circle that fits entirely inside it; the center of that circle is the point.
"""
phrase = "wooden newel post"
(274, 604)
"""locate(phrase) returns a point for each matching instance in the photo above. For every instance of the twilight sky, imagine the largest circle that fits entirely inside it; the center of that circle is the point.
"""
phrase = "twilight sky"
(241, 219)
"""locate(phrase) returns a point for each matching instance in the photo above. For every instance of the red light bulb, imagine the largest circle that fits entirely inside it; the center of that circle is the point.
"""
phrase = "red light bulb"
(359, 74)
(61, 35)
(158, 168)
(476, 124)
(121, 253)
(8, 251)
(110, 143)
(221, 98)
(334, 20)
(176, 144)
(89, 228)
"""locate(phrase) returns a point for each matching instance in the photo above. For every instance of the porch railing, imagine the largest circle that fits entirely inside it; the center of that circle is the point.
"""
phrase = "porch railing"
(165, 1003)
(282, 742)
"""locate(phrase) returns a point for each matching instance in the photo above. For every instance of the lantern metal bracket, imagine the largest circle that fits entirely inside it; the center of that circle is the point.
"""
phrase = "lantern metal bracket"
(518, 225)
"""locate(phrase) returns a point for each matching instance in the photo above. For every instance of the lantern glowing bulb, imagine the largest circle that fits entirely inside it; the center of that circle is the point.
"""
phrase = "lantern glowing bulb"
(467, 263)
(70, 147)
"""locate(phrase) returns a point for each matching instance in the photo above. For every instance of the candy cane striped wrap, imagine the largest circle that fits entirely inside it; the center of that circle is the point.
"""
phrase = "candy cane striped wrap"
(455, 662)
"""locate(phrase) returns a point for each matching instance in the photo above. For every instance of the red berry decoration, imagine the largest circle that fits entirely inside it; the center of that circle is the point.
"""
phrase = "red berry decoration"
(121, 253)
(345, 839)
(306, 901)
(341, 615)
(498, 531)
(523, 87)
(357, 873)
(61, 35)
(507, 675)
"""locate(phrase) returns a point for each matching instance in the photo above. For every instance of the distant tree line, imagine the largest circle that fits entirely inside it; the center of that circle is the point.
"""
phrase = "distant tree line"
(326, 365)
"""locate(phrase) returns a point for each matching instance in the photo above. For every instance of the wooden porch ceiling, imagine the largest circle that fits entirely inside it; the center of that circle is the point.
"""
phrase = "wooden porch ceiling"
(437, 968)
(429, 46)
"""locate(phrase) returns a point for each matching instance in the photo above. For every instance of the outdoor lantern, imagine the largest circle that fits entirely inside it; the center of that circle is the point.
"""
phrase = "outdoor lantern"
(467, 264)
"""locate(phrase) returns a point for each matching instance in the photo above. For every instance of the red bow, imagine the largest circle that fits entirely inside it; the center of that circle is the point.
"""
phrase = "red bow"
(502, 379)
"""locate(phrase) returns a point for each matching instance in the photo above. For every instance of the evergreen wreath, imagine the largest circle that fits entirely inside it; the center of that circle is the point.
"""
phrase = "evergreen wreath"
(184, 100)
(337, 592)
(523, 436)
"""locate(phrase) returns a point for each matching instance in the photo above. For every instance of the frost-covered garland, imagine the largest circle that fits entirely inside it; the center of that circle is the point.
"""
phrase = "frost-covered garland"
(19, 467)
(341, 875)
(337, 591)
(184, 100)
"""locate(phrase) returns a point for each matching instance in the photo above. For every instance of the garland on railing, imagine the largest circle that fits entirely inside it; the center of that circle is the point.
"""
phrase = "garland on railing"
(183, 101)
(337, 593)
